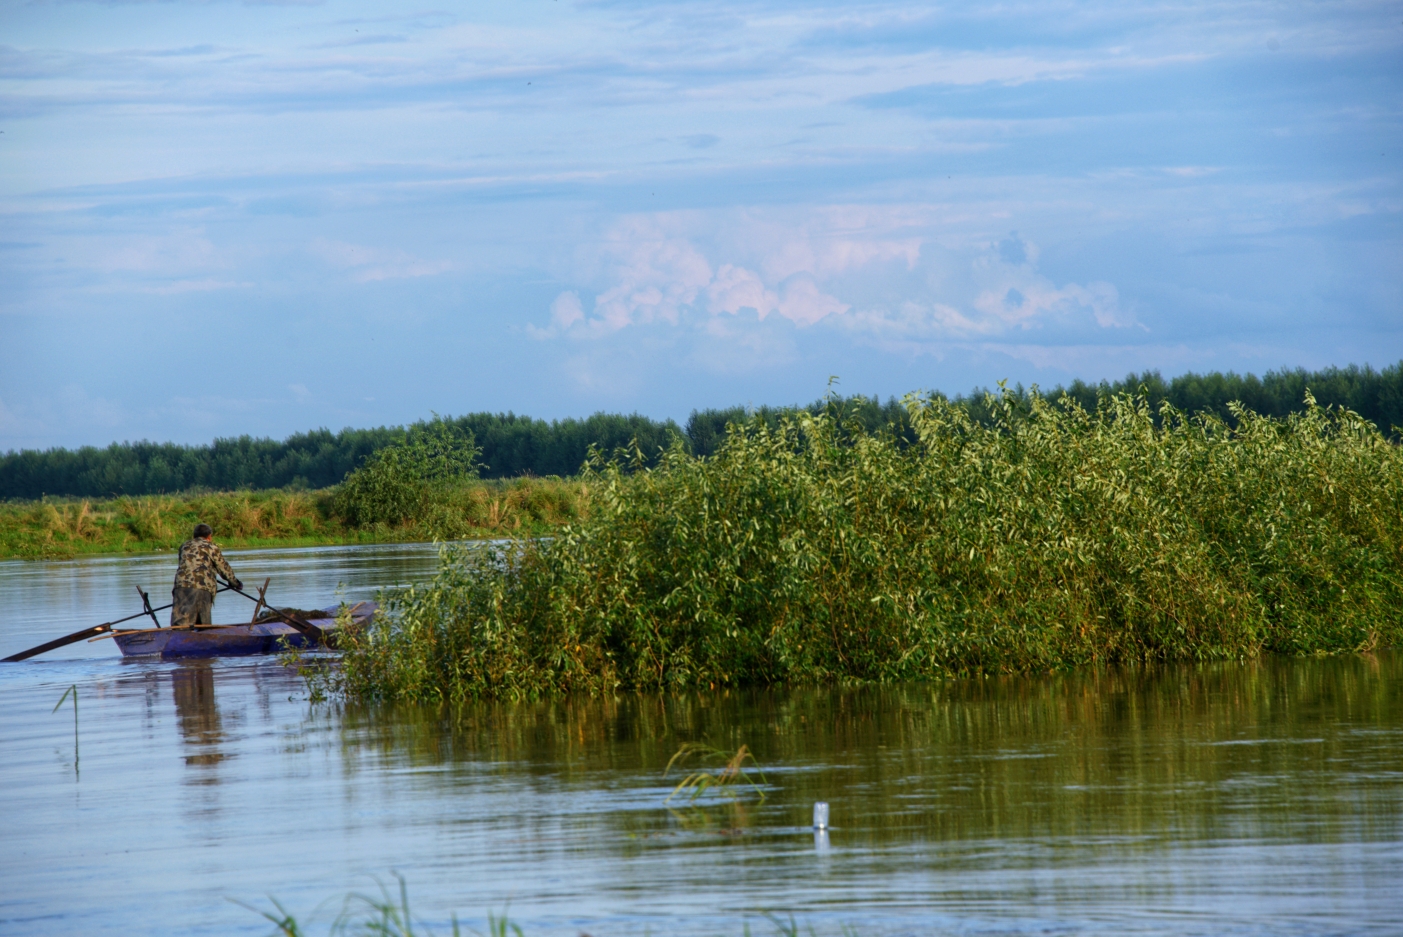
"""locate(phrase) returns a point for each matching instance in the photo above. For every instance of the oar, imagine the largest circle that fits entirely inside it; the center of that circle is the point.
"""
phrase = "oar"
(88, 633)
(309, 631)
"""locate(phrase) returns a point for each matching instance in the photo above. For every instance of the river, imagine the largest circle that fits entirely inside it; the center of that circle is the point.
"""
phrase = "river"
(1261, 797)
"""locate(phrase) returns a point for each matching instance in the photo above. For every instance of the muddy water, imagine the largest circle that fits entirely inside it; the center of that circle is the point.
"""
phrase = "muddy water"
(1241, 798)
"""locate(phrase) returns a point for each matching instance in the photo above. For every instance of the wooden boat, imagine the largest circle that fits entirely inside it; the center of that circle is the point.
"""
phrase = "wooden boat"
(266, 636)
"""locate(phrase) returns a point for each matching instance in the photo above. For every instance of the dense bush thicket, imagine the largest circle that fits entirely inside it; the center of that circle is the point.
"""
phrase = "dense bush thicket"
(406, 482)
(1044, 536)
(513, 445)
(1375, 395)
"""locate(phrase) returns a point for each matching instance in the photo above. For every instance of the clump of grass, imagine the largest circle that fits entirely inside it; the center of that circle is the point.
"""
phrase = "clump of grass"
(75, 521)
(517, 507)
(384, 915)
(809, 549)
(147, 518)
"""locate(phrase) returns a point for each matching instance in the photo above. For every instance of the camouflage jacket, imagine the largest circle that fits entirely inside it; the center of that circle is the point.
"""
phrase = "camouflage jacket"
(199, 561)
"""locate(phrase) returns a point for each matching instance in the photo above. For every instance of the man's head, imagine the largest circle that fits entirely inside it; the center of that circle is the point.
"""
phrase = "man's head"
(203, 531)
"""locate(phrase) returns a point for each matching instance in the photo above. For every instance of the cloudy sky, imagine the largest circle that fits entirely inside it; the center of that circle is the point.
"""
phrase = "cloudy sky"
(219, 218)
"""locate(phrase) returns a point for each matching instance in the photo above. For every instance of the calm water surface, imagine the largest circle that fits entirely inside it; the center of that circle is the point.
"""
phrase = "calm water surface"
(1259, 798)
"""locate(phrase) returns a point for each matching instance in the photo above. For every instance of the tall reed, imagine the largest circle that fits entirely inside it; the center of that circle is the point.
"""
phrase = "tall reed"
(809, 550)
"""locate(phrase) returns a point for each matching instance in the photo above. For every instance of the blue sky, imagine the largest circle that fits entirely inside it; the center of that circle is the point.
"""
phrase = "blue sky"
(218, 218)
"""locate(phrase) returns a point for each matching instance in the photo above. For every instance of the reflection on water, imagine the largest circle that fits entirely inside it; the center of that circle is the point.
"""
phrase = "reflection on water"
(1242, 798)
(1165, 755)
(193, 686)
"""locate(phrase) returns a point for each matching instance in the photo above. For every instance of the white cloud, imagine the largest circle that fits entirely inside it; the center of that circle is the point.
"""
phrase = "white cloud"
(565, 311)
(654, 276)
(1039, 301)
(736, 288)
(370, 264)
(184, 260)
(1012, 292)
(911, 324)
(655, 269)
(803, 303)
(886, 276)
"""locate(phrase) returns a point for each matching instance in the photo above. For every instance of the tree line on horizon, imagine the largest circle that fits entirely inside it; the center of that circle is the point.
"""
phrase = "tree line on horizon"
(515, 445)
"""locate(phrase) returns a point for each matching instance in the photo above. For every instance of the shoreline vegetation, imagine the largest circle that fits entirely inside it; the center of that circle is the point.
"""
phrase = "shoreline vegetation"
(511, 446)
(62, 528)
(519, 478)
(1037, 535)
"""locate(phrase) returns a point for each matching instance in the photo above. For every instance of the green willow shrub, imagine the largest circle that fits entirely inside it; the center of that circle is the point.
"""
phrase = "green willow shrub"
(1044, 537)
(398, 484)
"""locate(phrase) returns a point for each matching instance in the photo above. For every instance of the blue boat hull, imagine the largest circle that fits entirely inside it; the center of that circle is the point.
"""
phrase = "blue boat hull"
(229, 640)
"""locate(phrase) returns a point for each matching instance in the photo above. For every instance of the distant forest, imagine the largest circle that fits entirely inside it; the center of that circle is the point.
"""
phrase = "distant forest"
(519, 445)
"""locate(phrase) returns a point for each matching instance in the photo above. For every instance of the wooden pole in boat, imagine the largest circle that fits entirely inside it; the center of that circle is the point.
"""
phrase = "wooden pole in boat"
(262, 591)
(146, 601)
(88, 633)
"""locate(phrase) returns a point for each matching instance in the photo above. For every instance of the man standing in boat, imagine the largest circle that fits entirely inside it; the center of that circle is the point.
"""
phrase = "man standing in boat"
(192, 599)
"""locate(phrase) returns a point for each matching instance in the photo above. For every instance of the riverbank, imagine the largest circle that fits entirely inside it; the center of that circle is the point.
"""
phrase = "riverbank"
(814, 551)
(55, 528)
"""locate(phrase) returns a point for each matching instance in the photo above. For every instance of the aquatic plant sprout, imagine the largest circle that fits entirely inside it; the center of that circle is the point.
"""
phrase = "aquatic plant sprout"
(811, 549)
(727, 780)
(383, 915)
(71, 692)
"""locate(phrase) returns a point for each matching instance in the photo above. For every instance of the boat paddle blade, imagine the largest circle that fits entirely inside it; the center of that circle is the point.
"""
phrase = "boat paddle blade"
(103, 628)
(60, 642)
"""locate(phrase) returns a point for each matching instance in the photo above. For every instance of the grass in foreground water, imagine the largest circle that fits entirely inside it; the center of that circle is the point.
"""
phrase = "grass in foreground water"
(388, 915)
(815, 551)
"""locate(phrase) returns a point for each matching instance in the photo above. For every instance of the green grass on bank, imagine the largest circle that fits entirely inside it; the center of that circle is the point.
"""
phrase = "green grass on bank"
(807, 550)
(56, 528)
